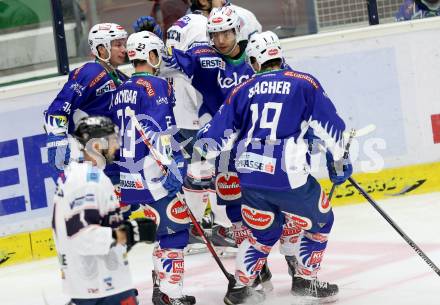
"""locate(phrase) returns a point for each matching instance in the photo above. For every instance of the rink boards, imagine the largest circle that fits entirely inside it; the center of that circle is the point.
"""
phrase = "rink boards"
(374, 75)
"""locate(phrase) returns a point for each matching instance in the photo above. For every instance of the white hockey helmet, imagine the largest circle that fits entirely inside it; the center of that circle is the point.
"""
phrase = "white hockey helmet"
(223, 19)
(263, 47)
(140, 44)
(103, 34)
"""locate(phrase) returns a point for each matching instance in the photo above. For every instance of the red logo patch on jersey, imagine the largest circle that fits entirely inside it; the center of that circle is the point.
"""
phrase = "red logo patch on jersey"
(316, 257)
(257, 219)
(227, 186)
(173, 255)
(273, 52)
(217, 20)
(302, 222)
(176, 277)
(177, 212)
(178, 266)
(151, 213)
(147, 85)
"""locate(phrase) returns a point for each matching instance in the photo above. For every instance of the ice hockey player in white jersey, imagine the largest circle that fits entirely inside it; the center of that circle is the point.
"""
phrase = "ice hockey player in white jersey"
(91, 239)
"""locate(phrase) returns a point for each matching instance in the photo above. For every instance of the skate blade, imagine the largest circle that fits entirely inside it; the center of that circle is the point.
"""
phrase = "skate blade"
(226, 252)
(308, 300)
(195, 249)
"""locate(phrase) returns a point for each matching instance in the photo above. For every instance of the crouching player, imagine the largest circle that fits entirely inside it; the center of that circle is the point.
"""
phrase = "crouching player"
(272, 112)
(150, 99)
(90, 237)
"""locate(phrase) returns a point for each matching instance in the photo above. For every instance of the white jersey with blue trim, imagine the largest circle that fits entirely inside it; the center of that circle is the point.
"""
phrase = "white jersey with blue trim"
(85, 210)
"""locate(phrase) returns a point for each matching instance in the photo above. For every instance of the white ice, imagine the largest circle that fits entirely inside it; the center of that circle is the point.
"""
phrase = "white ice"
(371, 263)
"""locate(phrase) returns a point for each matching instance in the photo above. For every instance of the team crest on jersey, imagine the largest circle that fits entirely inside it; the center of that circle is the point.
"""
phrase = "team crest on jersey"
(152, 214)
(147, 85)
(177, 212)
(302, 222)
(107, 87)
(257, 219)
(227, 186)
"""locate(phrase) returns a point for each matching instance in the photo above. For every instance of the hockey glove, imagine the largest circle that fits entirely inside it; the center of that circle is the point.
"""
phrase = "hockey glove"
(139, 230)
(58, 151)
(338, 171)
(147, 23)
(175, 175)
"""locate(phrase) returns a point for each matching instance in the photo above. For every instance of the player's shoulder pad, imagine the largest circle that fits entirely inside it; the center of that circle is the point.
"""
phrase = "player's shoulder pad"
(303, 77)
(240, 87)
(89, 74)
(150, 85)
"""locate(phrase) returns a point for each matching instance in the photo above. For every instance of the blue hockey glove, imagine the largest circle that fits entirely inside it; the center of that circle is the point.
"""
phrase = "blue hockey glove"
(147, 23)
(338, 171)
(58, 151)
(176, 172)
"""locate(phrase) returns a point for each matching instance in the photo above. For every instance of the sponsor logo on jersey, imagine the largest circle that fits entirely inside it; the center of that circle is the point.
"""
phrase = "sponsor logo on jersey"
(175, 278)
(229, 82)
(131, 181)
(147, 85)
(227, 186)
(107, 87)
(177, 212)
(75, 74)
(272, 52)
(78, 88)
(254, 162)
(108, 283)
(97, 79)
(217, 20)
(178, 266)
(212, 62)
(161, 100)
(242, 277)
(257, 219)
(204, 51)
(302, 76)
(93, 290)
(152, 214)
(302, 222)
(173, 35)
(316, 257)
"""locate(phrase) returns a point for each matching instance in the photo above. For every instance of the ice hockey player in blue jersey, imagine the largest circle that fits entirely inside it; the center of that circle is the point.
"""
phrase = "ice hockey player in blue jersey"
(271, 113)
(150, 99)
(418, 9)
(88, 91)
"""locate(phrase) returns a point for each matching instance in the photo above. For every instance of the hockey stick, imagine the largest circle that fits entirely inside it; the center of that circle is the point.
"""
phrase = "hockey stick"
(352, 134)
(208, 243)
(395, 226)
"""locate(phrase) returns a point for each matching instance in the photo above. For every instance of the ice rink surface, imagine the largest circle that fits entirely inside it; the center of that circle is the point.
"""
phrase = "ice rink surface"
(368, 259)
